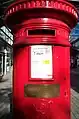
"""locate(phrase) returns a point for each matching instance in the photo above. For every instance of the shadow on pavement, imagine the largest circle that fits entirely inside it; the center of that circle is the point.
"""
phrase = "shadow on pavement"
(7, 116)
(74, 79)
(5, 103)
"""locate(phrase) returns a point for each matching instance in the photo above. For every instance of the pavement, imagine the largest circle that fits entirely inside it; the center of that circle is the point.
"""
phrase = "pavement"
(75, 79)
(75, 70)
(6, 89)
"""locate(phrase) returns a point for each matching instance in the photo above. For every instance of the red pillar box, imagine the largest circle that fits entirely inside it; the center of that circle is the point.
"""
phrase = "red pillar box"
(41, 78)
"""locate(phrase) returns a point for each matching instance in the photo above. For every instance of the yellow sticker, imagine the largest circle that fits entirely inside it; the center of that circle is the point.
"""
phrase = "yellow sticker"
(46, 62)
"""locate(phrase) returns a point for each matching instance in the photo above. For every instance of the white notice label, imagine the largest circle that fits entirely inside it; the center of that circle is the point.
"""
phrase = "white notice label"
(41, 61)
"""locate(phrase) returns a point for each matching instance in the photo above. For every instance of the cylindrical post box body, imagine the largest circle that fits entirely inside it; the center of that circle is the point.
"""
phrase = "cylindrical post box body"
(41, 70)
(41, 59)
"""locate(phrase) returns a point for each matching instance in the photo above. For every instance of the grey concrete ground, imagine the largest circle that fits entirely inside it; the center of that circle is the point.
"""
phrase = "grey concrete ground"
(75, 79)
(6, 89)
(75, 93)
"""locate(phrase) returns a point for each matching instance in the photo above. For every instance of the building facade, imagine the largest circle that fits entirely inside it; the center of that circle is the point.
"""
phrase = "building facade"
(6, 41)
(74, 39)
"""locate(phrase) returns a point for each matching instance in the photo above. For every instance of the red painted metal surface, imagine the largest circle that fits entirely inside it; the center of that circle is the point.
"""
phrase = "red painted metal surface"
(36, 16)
